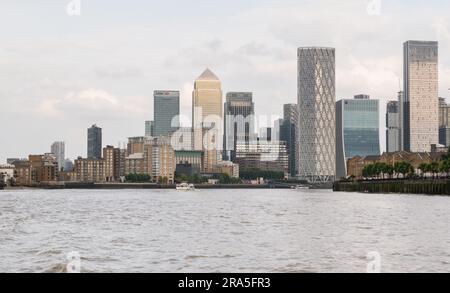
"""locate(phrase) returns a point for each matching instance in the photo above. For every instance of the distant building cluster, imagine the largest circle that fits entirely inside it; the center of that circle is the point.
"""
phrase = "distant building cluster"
(317, 139)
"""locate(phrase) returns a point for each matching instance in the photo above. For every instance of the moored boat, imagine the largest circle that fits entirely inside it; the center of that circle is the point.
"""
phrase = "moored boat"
(185, 187)
(300, 187)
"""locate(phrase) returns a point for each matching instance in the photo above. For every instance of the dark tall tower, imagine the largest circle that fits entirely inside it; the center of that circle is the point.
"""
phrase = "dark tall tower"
(289, 134)
(94, 142)
(238, 121)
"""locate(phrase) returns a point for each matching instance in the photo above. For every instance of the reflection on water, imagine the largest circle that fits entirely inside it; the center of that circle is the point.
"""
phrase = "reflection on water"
(222, 231)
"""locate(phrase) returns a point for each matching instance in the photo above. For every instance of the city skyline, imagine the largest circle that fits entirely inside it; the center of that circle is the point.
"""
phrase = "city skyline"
(208, 79)
(88, 86)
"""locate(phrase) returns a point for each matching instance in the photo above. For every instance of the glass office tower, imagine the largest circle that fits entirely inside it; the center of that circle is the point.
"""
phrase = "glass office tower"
(357, 131)
(166, 112)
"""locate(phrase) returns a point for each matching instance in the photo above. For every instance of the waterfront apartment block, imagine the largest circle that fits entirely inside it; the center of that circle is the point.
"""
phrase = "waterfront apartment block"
(89, 170)
(421, 103)
(262, 155)
(357, 130)
(212, 149)
(166, 112)
(37, 169)
(356, 165)
(159, 160)
(135, 164)
(6, 173)
(112, 158)
(164, 162)
(44, 168)
(226, 167)
(22, 173)
(136, 145)
(317, 118)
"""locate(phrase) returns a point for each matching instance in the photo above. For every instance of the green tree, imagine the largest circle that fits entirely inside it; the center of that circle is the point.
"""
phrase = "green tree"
(389, 170)
(256, 173)
(445, 167)
(404, 168)
(369, 171)
(137, 178)
(423, 169)
(434, 168)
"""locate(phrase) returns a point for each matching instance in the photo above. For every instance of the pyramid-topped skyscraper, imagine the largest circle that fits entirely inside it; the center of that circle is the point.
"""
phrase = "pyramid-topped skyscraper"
(207, 106)
(208, 75)
(207, 119)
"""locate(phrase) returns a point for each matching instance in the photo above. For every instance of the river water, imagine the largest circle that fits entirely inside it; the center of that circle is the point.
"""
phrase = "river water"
(222, 231)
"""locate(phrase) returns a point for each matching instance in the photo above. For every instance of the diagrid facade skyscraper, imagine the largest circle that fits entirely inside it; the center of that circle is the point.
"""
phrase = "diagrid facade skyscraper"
(317, 120)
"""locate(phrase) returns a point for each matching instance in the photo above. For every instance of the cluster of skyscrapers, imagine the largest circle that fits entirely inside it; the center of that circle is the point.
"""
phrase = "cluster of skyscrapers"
(330, 134)
(313, 141)
(416, 122)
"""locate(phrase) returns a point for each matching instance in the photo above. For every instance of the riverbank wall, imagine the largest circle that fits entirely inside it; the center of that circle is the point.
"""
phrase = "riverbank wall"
(116, 186)
(421, 186)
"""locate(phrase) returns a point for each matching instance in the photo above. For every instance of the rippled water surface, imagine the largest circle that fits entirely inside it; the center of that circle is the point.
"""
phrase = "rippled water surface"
(222, 231)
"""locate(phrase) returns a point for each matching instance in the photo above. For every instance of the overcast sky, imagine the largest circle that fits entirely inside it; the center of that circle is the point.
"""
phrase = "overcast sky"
(59, 74)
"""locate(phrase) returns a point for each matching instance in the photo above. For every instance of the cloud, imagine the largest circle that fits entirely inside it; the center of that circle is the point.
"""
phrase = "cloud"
(118, 72)
(103, 67)
(93, 102)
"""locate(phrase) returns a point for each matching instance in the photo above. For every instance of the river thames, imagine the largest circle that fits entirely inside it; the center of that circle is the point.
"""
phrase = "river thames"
(287, 231)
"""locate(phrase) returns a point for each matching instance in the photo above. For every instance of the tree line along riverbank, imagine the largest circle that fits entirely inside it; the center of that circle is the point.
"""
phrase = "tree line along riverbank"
(408, 186)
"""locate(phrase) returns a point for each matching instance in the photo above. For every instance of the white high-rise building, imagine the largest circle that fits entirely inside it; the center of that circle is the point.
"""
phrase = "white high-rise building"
(421, 101)
(317, 120)
(58, 149)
